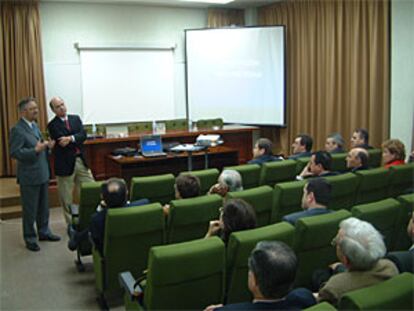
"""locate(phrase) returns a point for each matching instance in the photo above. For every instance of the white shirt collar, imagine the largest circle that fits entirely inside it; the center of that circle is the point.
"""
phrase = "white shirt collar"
(30, 124)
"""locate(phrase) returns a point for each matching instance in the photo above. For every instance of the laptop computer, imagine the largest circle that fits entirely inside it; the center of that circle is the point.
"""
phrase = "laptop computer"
(151, 146)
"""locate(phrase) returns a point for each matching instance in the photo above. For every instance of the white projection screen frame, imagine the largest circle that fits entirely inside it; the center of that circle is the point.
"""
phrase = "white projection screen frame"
(237, 74)
(127, 85)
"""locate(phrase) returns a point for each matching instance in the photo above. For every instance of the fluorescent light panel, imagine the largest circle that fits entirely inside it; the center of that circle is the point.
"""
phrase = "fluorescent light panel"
(210, 1)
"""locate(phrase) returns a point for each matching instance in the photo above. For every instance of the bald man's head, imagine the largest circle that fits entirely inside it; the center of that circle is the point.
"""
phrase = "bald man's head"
(357, 158)
(58, 106)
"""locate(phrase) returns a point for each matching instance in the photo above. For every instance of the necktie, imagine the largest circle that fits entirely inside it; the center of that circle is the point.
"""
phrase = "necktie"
(67, 124)
(35, 130)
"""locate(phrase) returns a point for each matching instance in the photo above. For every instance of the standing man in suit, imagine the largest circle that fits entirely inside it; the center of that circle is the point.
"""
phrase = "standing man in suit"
(70, 166)
(31, 152)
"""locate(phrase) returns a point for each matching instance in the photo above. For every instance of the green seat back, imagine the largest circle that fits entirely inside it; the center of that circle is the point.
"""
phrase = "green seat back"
(88, 128)
(375, 158)
(287, 199)
(383, 215)
(239, 248)
(261, 199)
(301, 163)
(176, 125)
(90, 197)
(277, 171)
(312, 243)
(401, 179)
(187, 275)
(101, 129)
(343, 191)
(393, 294)
(403, 241)
(250, 174)
(209, 123)
(159, 188)
(339, 162)
(189, 219)
(207, 178)
(323, 306)
(130, 232)
(373, 185)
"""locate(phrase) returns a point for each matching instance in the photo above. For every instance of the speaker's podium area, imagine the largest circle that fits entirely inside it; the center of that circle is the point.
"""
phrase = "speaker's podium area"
(236, 149)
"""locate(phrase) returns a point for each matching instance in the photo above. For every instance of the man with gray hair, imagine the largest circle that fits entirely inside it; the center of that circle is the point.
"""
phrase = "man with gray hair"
(335, 143)
(30, 150)
(357, 159)
(228, 181)
(272, 272)
(360, 248)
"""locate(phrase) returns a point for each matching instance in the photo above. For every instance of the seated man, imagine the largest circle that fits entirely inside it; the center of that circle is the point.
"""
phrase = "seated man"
(318, 166)
(114, 193)
(272, 271)
(316, 196)
(186, 186)
(357, 159)
(360, 139)
(335, 143)
(360, 248)
(228, 181)
(302, 147)
(262, 152)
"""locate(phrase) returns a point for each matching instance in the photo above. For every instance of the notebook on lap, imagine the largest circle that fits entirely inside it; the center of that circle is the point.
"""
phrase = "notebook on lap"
(151, 146)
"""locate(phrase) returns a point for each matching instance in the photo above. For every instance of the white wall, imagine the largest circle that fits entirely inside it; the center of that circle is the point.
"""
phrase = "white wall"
(402, 71)
(63, 24)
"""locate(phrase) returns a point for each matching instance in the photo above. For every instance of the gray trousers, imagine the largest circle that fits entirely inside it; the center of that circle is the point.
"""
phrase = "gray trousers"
(35, 204)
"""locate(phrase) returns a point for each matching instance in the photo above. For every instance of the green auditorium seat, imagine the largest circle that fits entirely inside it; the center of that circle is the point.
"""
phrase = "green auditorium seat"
(393, 294)
(277, 171)
(208, 124)
(90, 197)
(130, 232)
(373, 185)
(250, 174)
(343, 192)
(403, 241)
(375, 158)
(239, 248)
(183, 276)
(208, 178)
(401, 179)
(189, 219)
(323, 306)
(339, 162)
(301, 163)
(383, 215)
(287, 199)
(176, 125)
(261, 199)
(312, 243)
(159, 188)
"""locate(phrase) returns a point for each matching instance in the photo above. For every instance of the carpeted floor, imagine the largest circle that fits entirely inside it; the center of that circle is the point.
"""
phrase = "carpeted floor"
(45, 280)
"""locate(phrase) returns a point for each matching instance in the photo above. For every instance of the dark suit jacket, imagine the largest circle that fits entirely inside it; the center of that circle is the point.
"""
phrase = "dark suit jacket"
(264, 158)
(297, 299)
(65, 157)
(32, 167)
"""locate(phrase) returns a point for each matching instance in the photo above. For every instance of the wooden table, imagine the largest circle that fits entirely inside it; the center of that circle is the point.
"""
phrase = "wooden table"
(97, 150)
(128, 167)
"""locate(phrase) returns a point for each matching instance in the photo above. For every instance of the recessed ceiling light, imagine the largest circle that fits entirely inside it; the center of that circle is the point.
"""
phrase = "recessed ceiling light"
(210, 1)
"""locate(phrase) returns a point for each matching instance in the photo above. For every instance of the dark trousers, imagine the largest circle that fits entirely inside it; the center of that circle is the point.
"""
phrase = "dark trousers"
(35, 204)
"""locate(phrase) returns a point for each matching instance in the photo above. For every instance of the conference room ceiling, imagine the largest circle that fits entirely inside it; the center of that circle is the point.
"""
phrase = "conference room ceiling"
(177, 3)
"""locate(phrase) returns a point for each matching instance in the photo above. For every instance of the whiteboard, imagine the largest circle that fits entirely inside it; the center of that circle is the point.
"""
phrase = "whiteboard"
(127, 85)
(237, 74)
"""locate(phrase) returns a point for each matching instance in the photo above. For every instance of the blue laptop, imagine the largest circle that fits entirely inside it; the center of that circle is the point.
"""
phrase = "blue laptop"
(151, 146)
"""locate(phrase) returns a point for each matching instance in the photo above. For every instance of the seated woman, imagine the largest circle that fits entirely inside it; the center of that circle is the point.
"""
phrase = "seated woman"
(393, 152)
(228, 181)
(236, 215)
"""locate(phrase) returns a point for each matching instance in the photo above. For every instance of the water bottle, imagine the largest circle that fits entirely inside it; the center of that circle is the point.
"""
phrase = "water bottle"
(94, 129)
(154, 127)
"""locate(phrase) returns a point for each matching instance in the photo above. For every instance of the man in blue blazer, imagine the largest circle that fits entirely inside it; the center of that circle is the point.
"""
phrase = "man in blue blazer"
(31, 152)
(70, 165)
